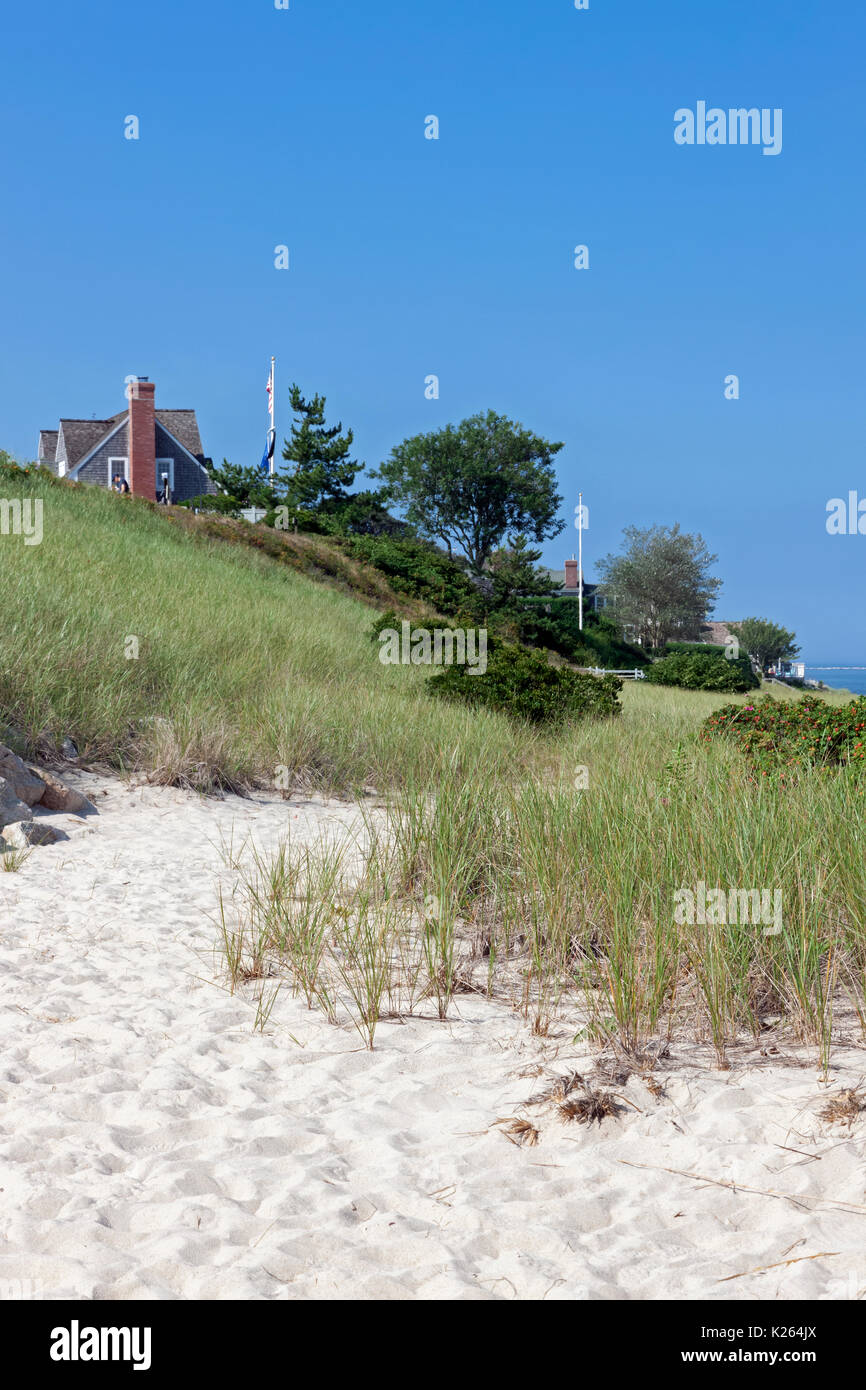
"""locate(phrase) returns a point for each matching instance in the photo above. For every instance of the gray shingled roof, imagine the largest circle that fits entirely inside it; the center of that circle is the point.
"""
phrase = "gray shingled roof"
(47, 445)
(80, 436)
(717, 632)
(184, 426)
(181, 423)
(558, 577)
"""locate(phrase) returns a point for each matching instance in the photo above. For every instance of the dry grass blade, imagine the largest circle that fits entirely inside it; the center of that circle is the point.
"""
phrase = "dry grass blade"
(520, 1132)
(846, 1106)
(781, 1264)
(558, 1090)
(848, 1208)
(593, 1105)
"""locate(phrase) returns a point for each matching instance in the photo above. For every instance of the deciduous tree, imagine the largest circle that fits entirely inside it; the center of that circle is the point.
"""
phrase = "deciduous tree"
(467, 485)
(765, 642)
(661, 583)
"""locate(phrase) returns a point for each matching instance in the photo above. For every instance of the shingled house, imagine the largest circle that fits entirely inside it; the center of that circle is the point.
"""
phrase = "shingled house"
(566, 585)
(140, 443)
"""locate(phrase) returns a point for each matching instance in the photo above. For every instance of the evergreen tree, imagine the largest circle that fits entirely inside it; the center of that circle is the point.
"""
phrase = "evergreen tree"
(513, 575)
(322, 469)
(247, 487)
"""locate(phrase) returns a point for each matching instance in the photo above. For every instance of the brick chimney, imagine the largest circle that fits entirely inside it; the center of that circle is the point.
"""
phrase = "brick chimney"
(142, 438)
(571, 573)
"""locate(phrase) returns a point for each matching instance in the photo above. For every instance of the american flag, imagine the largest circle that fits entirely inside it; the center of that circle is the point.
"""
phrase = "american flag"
(267, 464)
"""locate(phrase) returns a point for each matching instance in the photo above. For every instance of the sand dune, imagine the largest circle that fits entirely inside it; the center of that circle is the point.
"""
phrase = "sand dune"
(154, 1145)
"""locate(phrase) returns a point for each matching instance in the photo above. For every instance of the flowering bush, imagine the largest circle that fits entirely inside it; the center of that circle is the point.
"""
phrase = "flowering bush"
(776, 735)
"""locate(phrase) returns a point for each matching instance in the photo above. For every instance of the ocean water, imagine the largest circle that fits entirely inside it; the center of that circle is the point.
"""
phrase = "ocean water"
(851, 678)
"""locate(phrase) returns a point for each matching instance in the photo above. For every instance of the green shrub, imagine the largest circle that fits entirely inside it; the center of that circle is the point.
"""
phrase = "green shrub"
(554, 623)
(704, 671)
(776, 735)
(15, 473)
(387, 620)
(213, 502)
(418, 569)
(708, 648)
(523, 684)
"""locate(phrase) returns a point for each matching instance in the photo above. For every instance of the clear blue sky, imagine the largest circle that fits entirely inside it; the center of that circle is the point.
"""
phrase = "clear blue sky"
(410, 257)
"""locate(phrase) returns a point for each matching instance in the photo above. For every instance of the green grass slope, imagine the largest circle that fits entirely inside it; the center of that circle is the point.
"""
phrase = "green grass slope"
(567, 849)
(247, 670)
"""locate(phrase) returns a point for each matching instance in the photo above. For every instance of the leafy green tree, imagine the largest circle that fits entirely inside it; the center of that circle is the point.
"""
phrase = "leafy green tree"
(660, 585)
(765, 642)
(467, 485)
(322, 468)
(362, 514)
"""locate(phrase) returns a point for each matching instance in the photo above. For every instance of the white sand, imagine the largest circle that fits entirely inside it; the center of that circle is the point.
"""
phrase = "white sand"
(153, 1145)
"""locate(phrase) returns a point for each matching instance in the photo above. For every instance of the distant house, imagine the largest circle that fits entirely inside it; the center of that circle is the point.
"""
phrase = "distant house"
(142, 444)
(565, 584)
(789, 670)
(718, 634)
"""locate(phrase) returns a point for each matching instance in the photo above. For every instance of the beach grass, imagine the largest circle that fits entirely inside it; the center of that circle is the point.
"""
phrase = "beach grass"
(540, 868)
(562, 900)
(158, 649)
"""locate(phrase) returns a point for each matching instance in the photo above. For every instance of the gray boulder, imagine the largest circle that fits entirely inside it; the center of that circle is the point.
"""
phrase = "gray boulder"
(11, 807)
(58, 797)
(30, 832)
(25, 784)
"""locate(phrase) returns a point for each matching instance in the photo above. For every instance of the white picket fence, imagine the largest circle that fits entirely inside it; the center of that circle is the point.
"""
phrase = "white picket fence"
(636, 675)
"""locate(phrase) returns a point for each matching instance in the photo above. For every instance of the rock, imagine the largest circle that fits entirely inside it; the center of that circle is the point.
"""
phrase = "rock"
(30, 832)
(57, 797)
(26, 786)
(11, 808)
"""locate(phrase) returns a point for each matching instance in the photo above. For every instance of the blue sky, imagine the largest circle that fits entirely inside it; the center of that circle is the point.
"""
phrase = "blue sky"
(409, 256)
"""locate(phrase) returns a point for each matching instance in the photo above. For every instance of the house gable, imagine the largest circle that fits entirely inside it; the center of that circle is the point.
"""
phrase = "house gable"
(94, 467)
(183, 427)
(191, 478)
(80, 437)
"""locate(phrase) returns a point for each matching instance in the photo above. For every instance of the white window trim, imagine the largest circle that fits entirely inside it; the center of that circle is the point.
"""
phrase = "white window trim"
(113, 468)
(164, 466)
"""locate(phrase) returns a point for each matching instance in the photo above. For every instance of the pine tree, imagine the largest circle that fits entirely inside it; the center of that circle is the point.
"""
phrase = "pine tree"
(513, 575)
(322, 469)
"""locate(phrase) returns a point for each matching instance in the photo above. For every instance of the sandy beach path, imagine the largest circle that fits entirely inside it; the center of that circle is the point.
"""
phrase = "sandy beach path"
(154, 1145)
